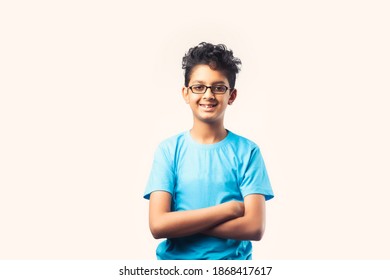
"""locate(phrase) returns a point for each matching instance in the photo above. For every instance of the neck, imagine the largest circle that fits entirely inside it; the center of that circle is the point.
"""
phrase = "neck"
(206, 133)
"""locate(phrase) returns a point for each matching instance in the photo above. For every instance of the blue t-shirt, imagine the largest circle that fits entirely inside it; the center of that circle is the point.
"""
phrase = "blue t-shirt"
(204, 175)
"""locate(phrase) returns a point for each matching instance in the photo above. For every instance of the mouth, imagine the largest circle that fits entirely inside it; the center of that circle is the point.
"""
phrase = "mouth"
(207, 105)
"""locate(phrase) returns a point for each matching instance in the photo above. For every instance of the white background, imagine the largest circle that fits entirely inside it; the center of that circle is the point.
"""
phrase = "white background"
(89, 88)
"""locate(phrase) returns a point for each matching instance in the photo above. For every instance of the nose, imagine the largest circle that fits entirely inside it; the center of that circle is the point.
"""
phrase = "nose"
(208, 94)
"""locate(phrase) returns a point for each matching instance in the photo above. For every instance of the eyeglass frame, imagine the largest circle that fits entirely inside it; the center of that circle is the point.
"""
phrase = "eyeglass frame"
(209, 87)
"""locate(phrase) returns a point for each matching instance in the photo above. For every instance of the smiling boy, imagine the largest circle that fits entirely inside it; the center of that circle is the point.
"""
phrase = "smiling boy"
(208, 186)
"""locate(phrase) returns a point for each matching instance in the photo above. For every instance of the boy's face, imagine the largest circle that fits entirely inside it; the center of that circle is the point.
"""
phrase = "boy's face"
(208, 107)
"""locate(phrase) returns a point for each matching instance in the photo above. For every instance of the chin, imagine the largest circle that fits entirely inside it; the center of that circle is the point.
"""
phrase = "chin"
(211, 120)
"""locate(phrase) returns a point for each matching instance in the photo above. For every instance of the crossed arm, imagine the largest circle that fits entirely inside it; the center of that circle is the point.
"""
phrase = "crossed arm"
(230, 220)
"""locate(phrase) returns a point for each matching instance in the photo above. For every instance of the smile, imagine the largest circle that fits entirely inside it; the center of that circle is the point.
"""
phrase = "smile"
(207, 105)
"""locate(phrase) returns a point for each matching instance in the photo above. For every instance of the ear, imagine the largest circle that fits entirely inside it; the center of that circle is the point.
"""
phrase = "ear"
(232, 96)
(184, 93)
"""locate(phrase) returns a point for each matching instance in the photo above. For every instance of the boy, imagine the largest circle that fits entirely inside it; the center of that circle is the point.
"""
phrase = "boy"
(208, 186)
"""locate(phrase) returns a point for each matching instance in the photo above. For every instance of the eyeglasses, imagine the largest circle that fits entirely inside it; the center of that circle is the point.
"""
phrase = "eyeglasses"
(216, 89)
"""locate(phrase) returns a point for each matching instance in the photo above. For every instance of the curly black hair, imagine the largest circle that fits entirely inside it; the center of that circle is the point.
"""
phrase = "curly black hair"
(218, 57)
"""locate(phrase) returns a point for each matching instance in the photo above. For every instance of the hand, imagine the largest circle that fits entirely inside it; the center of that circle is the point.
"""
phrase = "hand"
(236, 207)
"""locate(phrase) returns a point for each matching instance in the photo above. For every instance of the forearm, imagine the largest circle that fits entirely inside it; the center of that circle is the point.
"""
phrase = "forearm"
(184, 223)
(250, 226)
(242, 228)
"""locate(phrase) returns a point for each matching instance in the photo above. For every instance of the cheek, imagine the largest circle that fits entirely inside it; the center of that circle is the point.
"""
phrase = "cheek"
(225, 100)
(194, 99)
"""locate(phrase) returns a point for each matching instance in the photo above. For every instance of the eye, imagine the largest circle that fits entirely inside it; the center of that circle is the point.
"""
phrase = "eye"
(219, 88)
(198, 87)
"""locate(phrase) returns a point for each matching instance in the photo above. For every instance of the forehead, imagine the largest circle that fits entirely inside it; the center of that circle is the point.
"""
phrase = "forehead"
(203, 73)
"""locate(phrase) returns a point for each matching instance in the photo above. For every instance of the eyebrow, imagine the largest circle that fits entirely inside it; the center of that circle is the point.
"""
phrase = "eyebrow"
(202, 82)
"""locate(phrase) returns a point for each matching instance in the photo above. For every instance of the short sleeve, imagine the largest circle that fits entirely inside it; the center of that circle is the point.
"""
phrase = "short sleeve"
(255, 179)
(162, 176)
